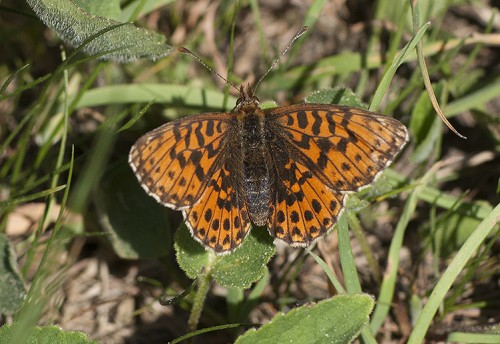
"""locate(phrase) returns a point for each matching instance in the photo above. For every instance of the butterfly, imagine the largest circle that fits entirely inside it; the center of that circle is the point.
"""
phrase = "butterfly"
(289, 168)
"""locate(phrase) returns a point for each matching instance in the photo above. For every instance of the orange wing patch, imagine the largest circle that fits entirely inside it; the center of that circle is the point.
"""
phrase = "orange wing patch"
(175, 161)
(220, 219)
(345, 147)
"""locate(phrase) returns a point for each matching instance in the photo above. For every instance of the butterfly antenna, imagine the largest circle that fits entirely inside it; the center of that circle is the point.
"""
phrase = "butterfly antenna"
(275, 62)
(188, 52)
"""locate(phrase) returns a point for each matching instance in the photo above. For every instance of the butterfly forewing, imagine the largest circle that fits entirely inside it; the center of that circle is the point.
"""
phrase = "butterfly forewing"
(345, 147)
(175, 162)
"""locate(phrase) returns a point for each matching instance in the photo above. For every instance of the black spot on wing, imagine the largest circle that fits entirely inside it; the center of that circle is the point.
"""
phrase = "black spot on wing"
(316, 127)
(302, 119)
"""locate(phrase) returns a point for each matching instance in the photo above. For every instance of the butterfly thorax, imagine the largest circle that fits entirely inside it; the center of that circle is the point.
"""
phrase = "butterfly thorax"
(253, 148)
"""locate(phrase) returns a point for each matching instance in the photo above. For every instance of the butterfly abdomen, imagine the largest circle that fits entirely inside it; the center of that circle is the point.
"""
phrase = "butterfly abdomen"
(255, 170)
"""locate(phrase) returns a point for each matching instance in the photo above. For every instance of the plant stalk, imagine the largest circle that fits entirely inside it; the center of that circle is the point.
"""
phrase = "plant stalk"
(204, 280)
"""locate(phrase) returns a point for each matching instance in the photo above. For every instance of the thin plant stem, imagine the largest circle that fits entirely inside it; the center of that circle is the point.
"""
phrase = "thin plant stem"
(204, 280)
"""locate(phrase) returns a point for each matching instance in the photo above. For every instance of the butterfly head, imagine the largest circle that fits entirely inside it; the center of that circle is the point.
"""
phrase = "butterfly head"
(247, 100)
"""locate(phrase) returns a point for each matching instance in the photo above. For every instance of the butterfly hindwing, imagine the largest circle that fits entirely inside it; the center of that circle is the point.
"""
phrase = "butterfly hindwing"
(220, 219)
(302, 207)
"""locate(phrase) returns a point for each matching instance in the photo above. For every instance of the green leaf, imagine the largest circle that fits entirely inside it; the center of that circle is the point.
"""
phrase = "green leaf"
(109, 9)
(138, 9)
(336, 320)
(238, 269)
(123, 43)
(268, 104)
(337, 95)
(137, 224)
(191, 256)
(47, 334)
(12, 290)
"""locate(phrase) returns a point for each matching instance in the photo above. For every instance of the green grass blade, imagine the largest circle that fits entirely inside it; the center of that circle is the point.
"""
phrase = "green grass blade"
(455, 267)
(391, 71)
(346, 258)
(331, 274)
(473, 338)
(387, 288)
(29, 198)
(179, 95)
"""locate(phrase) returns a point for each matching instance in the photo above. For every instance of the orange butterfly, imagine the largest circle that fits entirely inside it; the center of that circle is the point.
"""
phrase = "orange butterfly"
(289, 168)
